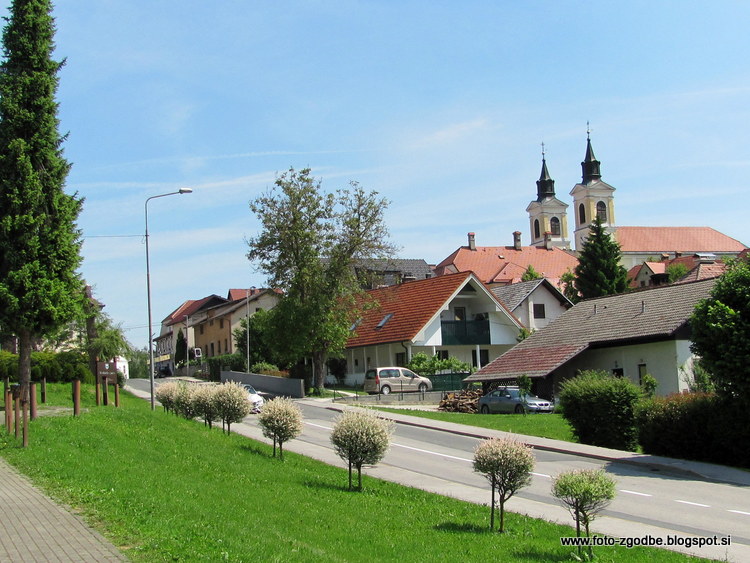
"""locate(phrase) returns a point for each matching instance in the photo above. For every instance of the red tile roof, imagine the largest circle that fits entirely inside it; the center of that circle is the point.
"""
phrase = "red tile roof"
(675, 239)
(505, 264)
(412, 306)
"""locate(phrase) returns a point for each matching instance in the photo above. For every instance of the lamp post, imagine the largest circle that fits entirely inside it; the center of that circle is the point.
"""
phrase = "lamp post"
(148, 292)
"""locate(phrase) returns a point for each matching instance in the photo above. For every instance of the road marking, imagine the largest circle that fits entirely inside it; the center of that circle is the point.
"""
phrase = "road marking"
(693, 503)
(637, 493)
(319, 426)
(541, 475)
(433, 453)
(740, 512)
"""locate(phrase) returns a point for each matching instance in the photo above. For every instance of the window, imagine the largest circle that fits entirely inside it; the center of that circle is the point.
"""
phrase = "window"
(618, 372)
(221, 323)
(554, 225)
(459, 314)
(442, 354)
(581, 214)
(226, 345)
(212, 349)
(201, 329)
(219, 346)
(601, 211)
(484, 358)
(641, 372)
(211, 322)
(382, 323)
(539, 312)
(537, 231)
(401, 359)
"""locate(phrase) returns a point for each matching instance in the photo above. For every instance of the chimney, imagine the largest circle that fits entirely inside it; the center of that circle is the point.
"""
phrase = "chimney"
(517, 240)
(472, 242)
(548, 240)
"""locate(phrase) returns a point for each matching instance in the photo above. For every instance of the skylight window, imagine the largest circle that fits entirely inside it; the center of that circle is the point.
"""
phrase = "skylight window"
(382, 323)
(355, 324)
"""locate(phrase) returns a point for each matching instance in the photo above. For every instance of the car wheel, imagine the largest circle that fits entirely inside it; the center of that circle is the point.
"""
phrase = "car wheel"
(519, 409)
(422, 387)
(385, 390)
(485, 409)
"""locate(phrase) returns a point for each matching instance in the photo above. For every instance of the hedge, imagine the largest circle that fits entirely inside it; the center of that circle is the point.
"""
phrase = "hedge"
(61, 367)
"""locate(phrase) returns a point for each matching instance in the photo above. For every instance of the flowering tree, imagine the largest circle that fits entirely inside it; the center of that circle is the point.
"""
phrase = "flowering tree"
(281, 420)
(165, 394)
(231, 404)
(361, 437)
(507, 464)
(205, 403)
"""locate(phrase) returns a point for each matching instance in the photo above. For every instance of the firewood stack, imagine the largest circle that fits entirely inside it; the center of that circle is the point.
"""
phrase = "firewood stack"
(463, 401)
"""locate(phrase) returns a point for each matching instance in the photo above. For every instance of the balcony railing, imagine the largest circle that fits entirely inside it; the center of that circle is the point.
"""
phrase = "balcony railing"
(465, 332)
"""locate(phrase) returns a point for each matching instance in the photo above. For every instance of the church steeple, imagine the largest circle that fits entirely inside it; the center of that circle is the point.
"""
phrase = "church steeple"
(545, 186)
(590, 165)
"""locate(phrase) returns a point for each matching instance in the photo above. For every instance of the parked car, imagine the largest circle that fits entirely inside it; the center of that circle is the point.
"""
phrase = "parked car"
(395, 379)
(253, 396)
(508, 400)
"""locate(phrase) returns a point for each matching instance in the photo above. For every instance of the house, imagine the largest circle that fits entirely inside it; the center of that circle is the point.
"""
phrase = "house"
(695, 267)
(504, 265)
(375, 272)
(453, 315)
(535, 303)
(629, 335)
(213, 327)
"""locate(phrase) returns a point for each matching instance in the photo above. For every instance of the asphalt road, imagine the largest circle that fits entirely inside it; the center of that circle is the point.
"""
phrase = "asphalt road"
(648, 502)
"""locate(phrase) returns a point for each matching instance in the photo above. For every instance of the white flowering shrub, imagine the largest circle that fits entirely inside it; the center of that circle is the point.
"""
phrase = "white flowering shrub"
(183, 401)
(165, 394)
(361, 437)
(232, 404)
(281, 420)
(205, 403)
(507, 464)
(584, 492)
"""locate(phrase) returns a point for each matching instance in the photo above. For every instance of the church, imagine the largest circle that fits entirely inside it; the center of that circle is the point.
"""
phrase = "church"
(592, 197)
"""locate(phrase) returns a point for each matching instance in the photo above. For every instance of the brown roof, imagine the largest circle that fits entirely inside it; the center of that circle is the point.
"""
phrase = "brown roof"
(675, 239)
(192, 306)
(505, 264)
(648, 315)
(411, 305)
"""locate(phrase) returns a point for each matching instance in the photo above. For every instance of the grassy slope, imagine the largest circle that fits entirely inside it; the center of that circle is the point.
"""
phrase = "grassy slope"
(167, 489)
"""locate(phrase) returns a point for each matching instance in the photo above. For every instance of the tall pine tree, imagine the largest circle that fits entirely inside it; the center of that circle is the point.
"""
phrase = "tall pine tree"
(39, 242)
(599, 272)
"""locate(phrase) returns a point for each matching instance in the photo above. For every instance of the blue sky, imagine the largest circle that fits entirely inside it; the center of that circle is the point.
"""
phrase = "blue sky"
(439, 106)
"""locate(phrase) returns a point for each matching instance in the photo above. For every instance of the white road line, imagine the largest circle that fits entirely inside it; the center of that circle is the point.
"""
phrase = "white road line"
(433, 453)
(319, 426)
(740, 512)
(541, 475)
(637, 493)
(693, 503)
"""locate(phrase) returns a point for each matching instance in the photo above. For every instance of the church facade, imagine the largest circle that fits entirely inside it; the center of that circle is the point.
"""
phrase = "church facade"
(592, 197)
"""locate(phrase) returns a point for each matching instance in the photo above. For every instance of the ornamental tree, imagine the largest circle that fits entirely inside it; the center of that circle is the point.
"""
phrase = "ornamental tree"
(599, 272)
(584, 492)
(39, 242)
(507, 464)
(721, 333)
(231, 404)
(308, 246)
(361, 437)
(281, 421)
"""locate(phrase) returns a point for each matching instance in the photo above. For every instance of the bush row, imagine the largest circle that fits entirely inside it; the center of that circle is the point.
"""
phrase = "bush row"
(60, 367)
(228, 403)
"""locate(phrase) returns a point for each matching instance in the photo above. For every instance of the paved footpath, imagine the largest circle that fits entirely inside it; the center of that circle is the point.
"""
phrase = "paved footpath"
(35, 529)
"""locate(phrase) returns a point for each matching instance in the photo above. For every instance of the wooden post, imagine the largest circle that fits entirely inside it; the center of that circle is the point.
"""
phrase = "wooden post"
(76, 397)
(8, 409)
(16, 411)
(98, 391)
(32, 400)
(105, 390)
(25, 407)
(117, 395)
(44, 390)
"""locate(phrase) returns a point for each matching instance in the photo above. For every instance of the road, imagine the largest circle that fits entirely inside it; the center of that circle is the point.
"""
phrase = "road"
(648, 502)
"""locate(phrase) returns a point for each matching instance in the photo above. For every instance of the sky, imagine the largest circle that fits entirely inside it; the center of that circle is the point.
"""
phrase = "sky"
(439, 106)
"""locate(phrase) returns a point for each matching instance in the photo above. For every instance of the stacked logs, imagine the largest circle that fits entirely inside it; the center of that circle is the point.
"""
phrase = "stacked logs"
(463, 401)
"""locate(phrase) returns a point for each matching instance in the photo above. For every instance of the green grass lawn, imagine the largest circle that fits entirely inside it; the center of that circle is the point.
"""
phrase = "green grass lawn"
(167, 489)
(543, 425)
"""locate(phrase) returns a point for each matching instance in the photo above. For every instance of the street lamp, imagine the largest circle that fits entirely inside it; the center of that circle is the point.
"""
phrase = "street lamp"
(148, 292)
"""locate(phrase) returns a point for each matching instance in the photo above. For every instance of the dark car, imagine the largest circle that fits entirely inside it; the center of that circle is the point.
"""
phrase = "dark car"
(508, 400)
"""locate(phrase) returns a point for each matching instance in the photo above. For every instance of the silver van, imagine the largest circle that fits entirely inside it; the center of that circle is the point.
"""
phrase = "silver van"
(394, 380)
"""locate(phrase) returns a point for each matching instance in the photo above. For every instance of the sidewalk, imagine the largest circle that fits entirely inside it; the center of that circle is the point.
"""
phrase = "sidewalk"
(35, 529)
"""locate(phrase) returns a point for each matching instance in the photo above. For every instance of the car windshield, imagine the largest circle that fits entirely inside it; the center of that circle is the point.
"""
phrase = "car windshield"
(250, 389)
(514, 393)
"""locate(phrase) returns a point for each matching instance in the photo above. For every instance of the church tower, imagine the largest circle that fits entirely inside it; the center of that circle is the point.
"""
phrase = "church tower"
(592, 197)
(547, 214)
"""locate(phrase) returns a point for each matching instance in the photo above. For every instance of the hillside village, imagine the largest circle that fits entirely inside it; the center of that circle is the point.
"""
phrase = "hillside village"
(473, 304)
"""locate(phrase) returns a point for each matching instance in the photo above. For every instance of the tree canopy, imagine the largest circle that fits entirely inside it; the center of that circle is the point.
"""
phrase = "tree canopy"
(721, 332)
(39, 242)
(599, 272)
(308, 246)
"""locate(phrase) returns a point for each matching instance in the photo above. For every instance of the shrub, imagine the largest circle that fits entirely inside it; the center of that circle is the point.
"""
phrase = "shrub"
(263, 367)
(183, 400)
(601, 409)
(232, 404)
(584, 493)
(165, 394)
(361, 437)
(215, 364)
(205, 403)
(281, 420)
(507, 464)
